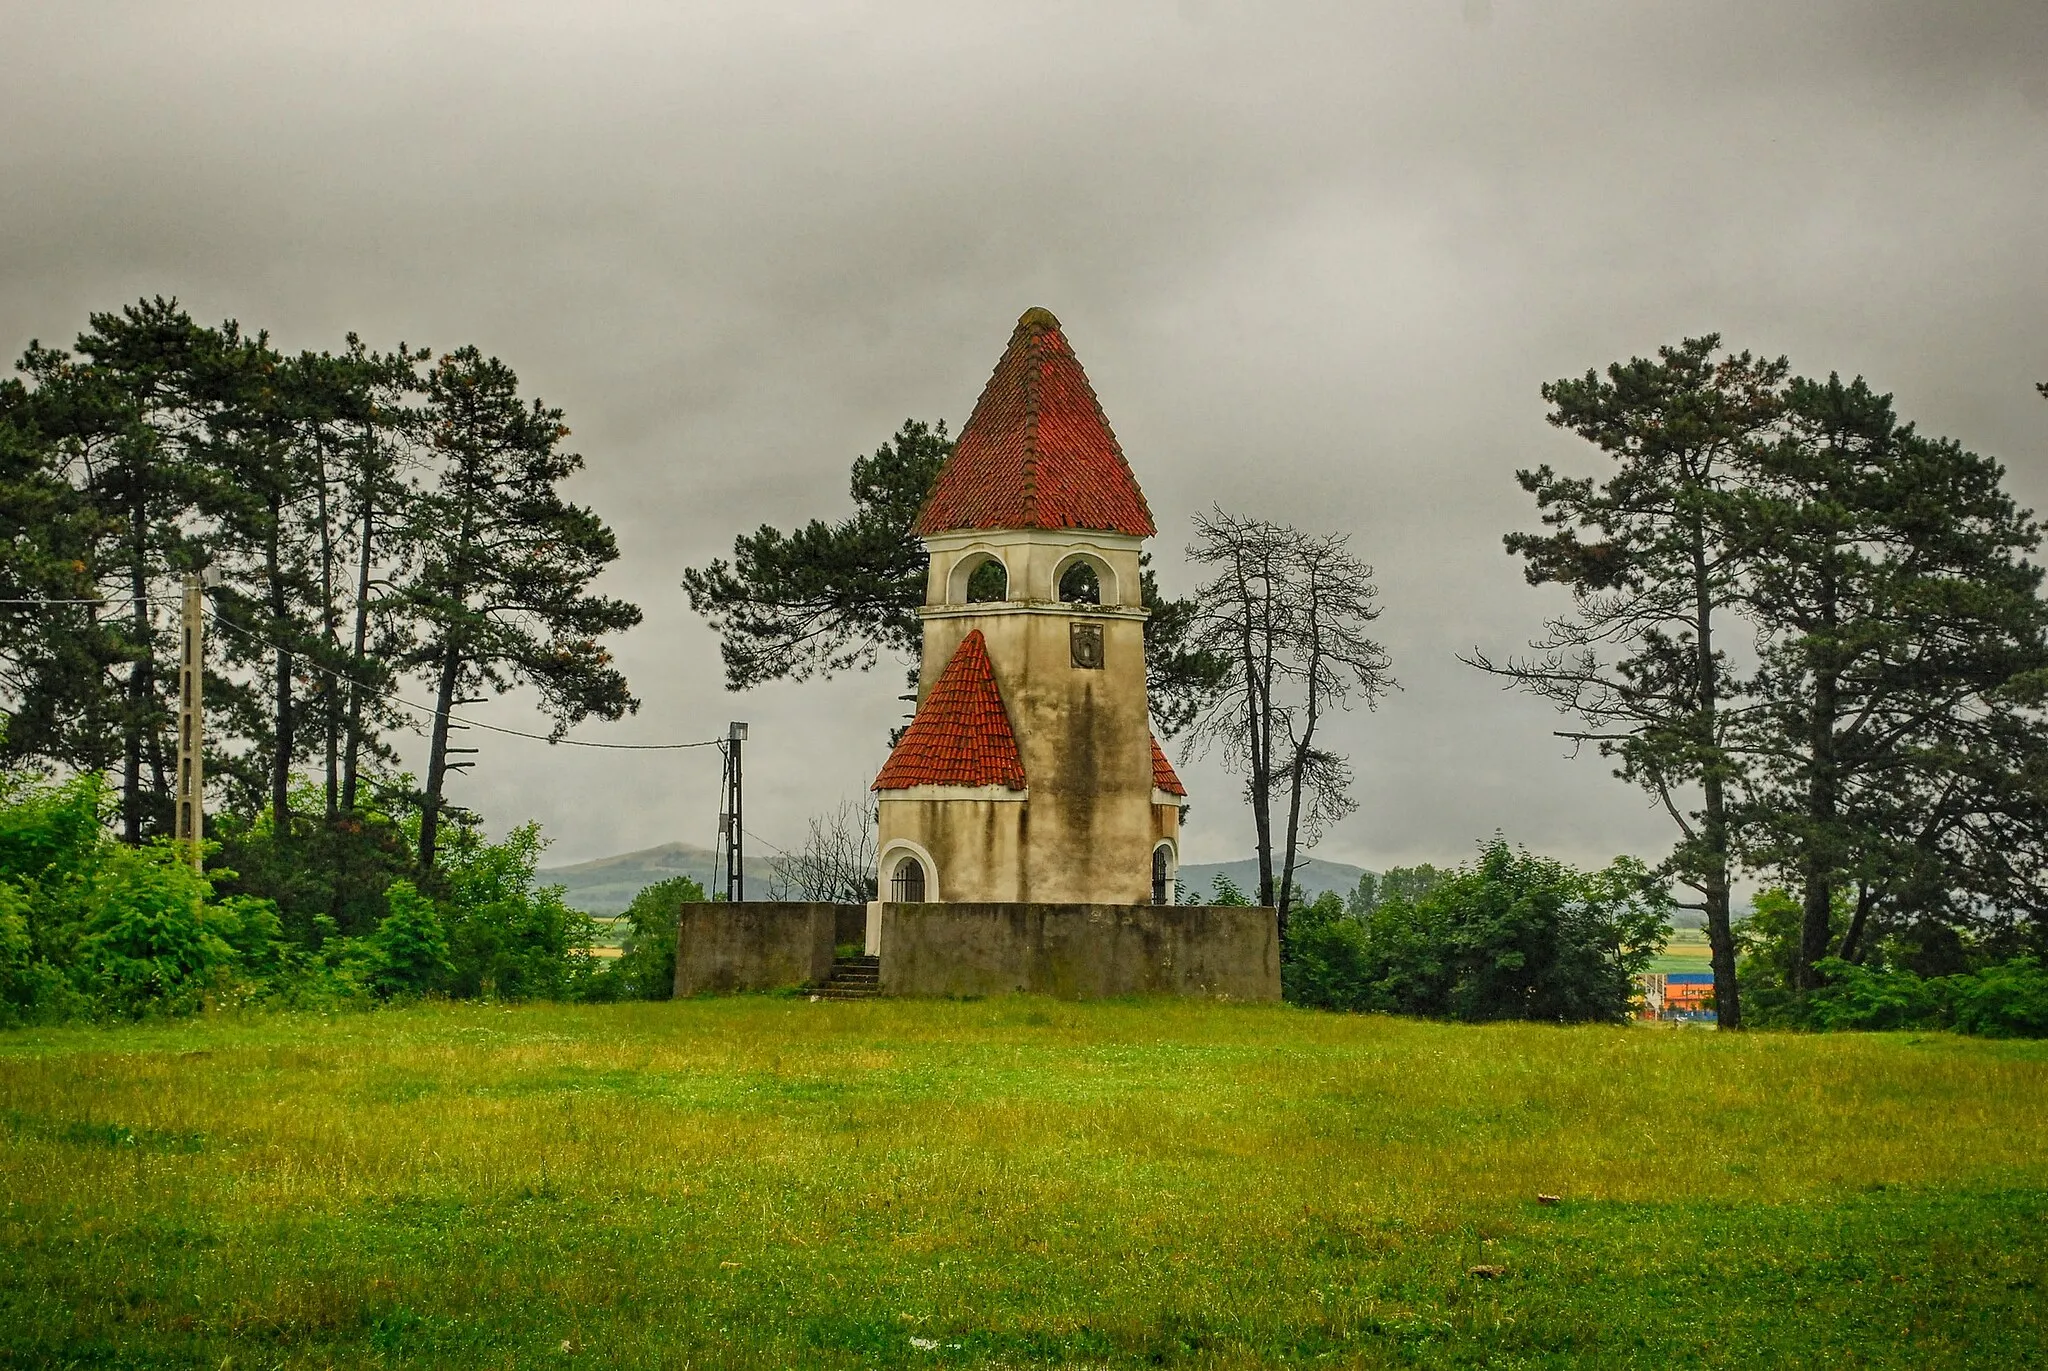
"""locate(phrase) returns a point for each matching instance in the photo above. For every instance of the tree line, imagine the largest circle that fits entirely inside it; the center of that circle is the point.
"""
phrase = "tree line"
(1815, 635)
(381, 527)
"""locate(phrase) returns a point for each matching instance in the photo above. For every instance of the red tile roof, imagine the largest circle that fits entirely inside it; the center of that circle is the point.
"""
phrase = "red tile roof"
(1036, 452)
(961, 736)
(1162, 773)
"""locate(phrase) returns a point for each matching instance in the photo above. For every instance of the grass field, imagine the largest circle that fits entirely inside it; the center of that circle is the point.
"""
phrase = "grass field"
(1686, 951)
(770, 1182)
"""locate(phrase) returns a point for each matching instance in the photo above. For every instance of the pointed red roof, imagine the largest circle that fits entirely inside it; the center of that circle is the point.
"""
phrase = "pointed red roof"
(1036, 452)
(1163, 777)
(961, 736)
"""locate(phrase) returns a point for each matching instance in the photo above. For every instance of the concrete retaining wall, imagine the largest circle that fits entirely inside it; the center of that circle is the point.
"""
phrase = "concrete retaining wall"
(758, 945)
(1080, 951)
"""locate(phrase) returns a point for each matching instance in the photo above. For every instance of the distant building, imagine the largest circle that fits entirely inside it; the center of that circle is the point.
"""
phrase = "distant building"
(1678, 996)
(1030, 772)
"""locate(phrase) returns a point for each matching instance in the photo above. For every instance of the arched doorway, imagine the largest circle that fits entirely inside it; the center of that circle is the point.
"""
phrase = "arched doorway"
(1163, 873)
(907, 881)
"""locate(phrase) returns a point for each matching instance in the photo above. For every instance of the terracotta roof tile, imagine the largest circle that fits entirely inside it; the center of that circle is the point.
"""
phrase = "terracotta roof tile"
(961, 736)
(1163, 777)
(1037, 451)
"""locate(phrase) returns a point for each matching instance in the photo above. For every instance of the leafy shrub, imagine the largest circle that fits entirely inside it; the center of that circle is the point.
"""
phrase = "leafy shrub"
(1508, 936)
(506, 936)
(646, 966)
(2005, 1001)
(408, 953)
(1224, 891)
(31, 989)
(151, 940)
(1328, 957)
(340, 868)
(1856, 997)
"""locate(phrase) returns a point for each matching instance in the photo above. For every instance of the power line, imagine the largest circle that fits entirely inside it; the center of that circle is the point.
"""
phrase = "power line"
(39, 604)
(430, 711)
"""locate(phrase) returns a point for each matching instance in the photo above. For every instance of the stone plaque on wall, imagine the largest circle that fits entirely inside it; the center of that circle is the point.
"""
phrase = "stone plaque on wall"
(1088, 646)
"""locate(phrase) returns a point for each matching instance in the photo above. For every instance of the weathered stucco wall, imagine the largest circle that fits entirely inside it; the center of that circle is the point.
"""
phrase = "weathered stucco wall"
(1080, 951)
(1085, 832)
(721, 948)
(977, 845)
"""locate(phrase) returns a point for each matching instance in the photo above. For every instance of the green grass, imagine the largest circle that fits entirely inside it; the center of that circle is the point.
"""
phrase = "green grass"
(770, 1182)
(1687, 951)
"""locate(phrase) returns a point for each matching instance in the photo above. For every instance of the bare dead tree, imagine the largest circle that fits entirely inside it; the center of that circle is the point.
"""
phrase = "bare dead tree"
(1288, 610)
(836, 863)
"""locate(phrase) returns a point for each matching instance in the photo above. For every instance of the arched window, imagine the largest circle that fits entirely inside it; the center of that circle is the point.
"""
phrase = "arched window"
(988, 583)
(906, 884)
(1080, 586)
(1162, 876)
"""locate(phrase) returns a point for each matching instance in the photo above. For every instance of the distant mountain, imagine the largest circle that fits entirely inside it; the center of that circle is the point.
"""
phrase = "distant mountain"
(606, 885)
(1312, 877)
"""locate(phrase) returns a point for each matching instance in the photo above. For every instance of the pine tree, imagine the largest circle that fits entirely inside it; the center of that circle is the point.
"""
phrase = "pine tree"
(1648, 556)
(1886, 574)
(502, 592)
(125, 417)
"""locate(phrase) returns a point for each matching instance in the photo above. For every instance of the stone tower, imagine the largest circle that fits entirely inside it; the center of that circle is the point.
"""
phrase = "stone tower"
(1030, 772)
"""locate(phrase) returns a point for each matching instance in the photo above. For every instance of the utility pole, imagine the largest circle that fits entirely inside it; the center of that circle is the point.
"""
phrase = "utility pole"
(191, 784)
(735, 871)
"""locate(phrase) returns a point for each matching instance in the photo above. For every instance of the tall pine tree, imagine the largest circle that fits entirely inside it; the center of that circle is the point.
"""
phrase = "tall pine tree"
(502, 594)
(1655, 582)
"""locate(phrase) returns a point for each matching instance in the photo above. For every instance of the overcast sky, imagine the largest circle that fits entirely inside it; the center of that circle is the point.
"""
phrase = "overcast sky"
(1317, 259)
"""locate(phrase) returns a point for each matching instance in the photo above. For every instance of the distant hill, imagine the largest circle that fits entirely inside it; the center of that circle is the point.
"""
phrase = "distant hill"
(606, 885)
(1312, 877)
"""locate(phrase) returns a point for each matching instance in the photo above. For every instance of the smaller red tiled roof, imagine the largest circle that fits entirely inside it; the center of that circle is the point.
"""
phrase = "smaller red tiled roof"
(961, 735)
(1162, 773)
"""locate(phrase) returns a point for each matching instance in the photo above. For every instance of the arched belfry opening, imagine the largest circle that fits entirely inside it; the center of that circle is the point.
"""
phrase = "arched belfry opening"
(988, 583)
(1079, 584)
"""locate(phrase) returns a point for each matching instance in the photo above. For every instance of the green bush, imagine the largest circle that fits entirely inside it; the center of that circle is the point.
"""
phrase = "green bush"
(508, 937)
(1856, 997)
(31, 989)
(2009, 1000)
(408, 952)
(92, 927)
(646, 966)
(151, 938)
(1508, 936)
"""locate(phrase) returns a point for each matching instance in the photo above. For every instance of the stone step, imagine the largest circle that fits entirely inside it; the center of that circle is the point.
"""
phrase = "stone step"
(853, 978)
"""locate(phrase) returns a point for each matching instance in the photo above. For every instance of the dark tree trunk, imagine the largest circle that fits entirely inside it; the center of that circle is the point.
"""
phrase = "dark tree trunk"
(1852, 940)
(1259, 747)
(1301, 752)
(1822, 803)
(330, 631)
(437, 758)
(1714, 817)
(352, 750)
